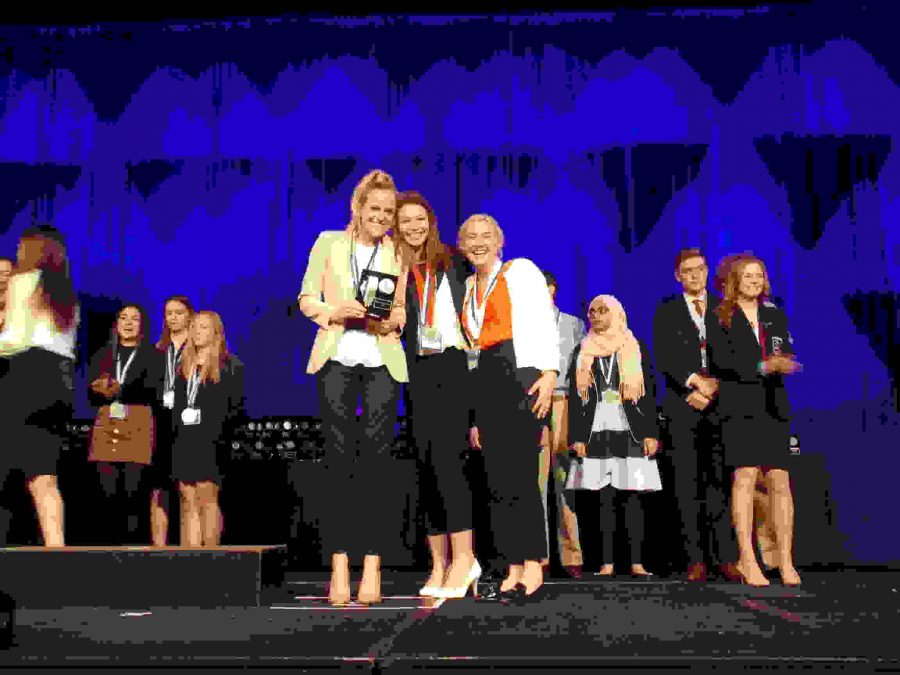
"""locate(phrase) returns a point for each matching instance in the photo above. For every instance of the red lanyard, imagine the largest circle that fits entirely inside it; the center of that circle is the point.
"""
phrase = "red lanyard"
(426, 307)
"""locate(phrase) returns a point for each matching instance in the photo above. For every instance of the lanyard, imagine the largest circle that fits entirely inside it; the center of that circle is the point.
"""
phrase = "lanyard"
(354, 267)
(193, 387)
(426, 288)
(173, 358)
(607, 376)
(122, 372)
(476, 312)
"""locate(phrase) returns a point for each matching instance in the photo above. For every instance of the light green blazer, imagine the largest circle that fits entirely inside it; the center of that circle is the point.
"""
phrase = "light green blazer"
(328, 282)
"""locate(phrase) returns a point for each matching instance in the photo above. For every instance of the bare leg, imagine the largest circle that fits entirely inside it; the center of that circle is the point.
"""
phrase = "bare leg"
(463, 558)
(437, 543)
(779, 485)
(210, 513)
(742, 488)
(159, 519)
(532, 576)
(191, 528)
(339, 588)
(49, 506)
(513, 577)
(763, 526)
(370, 586)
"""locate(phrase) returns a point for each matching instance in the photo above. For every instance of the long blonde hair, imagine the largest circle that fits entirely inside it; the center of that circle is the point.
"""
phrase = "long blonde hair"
(218, 349)
(728, 278)
(374, 180)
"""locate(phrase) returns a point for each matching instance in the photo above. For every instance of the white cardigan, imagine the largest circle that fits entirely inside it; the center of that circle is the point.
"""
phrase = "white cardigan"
(535, 338)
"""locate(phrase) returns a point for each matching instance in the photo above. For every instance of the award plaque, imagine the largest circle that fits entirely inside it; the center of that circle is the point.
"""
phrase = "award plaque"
(376, 293)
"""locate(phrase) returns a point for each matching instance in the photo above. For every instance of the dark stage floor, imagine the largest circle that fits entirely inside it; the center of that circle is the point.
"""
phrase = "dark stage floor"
(837, 621)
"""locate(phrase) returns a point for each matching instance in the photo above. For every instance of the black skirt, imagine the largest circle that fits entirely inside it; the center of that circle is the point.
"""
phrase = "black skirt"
(38, 398)
(761, 441)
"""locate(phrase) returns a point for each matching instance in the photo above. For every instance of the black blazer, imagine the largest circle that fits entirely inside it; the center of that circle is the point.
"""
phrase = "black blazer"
(734, 356)
(676, 342)
(222, 404)
(642, 416)
(144, 381)
(457, 273)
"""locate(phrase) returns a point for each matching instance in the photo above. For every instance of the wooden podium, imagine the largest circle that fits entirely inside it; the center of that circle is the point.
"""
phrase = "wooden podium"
(136, 577)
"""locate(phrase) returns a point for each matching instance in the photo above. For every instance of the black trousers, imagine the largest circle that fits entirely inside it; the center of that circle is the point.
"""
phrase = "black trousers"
(126, 503)
(702, 488)
(439, 416)
(358, 458)
(510, 440)
(599, 506)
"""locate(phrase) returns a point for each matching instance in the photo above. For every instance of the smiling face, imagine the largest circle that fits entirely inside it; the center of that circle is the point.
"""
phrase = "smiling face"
(480, 243)
(202, 331)
(752, 281)
(6, 268)
(599, 317)
(413, 225)
(376, 215)
(128, 326)
(692, 274)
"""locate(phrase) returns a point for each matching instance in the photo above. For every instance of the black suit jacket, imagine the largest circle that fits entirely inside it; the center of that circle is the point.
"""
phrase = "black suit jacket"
(677, 345)
(457, 273)
(734, 356)
(642, 416)
(144, 383)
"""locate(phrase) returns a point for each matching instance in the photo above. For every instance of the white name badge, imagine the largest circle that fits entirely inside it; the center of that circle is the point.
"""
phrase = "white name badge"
(472, 358)
(117, 410)
(169, 399)
(430, 339)
(190, 416)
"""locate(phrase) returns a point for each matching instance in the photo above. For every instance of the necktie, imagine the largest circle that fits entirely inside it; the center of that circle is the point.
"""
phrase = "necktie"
(698, 305)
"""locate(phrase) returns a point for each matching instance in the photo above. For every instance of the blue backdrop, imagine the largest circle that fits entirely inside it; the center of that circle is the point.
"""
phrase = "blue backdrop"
(203, 158)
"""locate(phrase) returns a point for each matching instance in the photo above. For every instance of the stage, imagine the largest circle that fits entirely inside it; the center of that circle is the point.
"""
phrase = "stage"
(836, 621)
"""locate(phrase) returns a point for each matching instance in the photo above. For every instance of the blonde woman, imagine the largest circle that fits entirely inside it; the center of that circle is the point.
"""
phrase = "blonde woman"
(513, 355)
(358, 361)
(209, 399)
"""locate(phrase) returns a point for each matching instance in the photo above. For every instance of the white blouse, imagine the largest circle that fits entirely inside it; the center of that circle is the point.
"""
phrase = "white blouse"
(24, 329)
(357, 347)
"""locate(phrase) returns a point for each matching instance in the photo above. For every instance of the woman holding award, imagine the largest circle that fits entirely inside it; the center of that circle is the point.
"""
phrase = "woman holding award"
(125, 381)
(513, 353)
(38, 339)
(438, 407)
(209, 402)
(354, 289)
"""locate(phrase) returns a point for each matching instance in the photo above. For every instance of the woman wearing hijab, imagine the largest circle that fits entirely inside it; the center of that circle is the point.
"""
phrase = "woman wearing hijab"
(613, 425)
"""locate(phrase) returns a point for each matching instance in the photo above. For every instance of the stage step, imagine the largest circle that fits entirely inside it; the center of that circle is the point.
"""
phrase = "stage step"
(134, 577)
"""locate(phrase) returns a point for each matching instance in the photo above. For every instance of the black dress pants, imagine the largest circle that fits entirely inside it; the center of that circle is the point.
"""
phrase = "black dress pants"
(439, 416)
(702, 488)
(358, 462)
(510, 440)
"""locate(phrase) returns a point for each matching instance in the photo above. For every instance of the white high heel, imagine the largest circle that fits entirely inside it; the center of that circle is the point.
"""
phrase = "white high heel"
(428, 591)
(471, 581)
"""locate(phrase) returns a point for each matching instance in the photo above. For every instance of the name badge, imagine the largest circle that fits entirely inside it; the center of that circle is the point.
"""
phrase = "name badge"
(169, 399)
(776, 344)
(190, 416)
(611, 396)
(117, 410)
(472, 358)
(430, 339)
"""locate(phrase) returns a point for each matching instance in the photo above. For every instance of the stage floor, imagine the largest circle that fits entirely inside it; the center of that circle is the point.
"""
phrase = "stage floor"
(837, 621)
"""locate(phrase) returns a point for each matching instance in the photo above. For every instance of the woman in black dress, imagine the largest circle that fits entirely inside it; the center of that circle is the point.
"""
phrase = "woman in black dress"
(177, 313)
(750, 351)
(126, 375)
(209, 401)
(38, 341)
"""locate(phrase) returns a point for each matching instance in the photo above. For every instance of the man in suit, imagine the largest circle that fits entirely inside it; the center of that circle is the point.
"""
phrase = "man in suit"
(680, 326)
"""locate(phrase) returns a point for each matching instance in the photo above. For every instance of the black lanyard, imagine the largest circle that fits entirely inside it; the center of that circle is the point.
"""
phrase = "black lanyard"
(354, 268)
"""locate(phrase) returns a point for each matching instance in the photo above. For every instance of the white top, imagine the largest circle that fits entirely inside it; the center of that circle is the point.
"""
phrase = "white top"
(445, 317)
(357, 347)
(609, 416)
(535, 339)
(24, 329)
